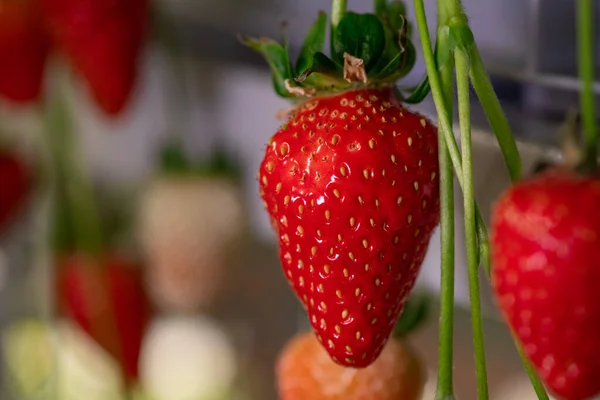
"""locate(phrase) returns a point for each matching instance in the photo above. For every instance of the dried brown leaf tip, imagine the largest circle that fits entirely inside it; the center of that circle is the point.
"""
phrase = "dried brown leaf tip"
(354, 69)
(299, 91)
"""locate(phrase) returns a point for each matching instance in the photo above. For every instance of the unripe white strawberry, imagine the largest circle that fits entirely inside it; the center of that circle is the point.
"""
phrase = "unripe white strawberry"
(188, 225)
(188, 358)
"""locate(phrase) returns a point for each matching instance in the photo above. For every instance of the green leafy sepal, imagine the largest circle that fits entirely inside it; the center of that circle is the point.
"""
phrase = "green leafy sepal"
(367, 50)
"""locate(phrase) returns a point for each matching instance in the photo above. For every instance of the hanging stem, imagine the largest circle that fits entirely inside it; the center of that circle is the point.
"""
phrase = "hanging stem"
(448, 9)
(445, 388)
(451, 14)
(444, 384)
(338, 9)
(80, 222)
(464, 109)
(445, 128)
(445, 115)
(539, 388)
(585, 44)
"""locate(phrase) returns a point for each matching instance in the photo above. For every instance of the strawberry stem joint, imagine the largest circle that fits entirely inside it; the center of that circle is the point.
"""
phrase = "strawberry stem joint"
(355, 183)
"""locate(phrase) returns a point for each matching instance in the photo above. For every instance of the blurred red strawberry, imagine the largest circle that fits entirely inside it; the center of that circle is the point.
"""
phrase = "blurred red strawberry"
(14, 186)
(107, 301)
(545, 237)
(103, 40)
(24, 49)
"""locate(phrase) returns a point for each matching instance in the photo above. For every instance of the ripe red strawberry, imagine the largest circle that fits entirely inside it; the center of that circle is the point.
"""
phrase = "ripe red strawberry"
(103, 41)
(351, 180)
(24, 49)
(108, 302)
(546, 256)
(305, 371)
(14, 187)
(351, 185)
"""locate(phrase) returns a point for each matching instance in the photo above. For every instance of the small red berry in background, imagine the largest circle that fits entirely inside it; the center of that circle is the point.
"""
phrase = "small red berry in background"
(24, 50)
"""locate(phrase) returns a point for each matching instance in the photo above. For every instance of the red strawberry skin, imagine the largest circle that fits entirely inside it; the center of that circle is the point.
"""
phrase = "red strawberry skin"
(103, 41)
(351, 184)
(546, 257)
(15, 184)
(109, 302)
(24, 49)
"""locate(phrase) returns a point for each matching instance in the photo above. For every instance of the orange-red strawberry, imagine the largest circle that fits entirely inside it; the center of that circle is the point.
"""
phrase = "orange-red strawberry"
(24, 47)
(15, 184)
(546, 258)
(305, 371)
(103, 41)
(351, 184)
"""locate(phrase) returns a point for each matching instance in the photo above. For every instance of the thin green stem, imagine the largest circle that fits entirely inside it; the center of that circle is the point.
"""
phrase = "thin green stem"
(464, 110)
(338, 9)
(444, 113)
(535, 381)
(444, 384)
(448, 9)
(444, 117)
(79, 221)
(585, 45)
(493, 110)
(446, 334)
(62, 231)
(451, 12)
(79, 190)
(484, 242)
(445, 127)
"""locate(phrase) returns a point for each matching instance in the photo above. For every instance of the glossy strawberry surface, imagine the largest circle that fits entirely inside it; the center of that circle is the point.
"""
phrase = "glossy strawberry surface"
(24, 49)
(14, 187)
(351, 184)
(305, 371)
(546, 260)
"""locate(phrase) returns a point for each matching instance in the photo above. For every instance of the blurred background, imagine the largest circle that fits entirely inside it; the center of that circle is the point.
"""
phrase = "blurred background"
(136, 260)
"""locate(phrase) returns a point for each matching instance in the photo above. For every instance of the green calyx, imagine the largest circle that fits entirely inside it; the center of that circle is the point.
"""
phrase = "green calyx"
(221, 164)
(367, 50)
(174, 162)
